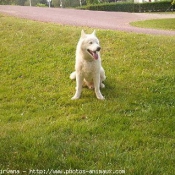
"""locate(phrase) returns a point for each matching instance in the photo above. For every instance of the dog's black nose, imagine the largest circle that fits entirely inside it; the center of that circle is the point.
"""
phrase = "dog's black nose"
(98, 48)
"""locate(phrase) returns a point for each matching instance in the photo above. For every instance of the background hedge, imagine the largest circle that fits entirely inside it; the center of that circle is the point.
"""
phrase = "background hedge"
(132, 7)
(7, 2)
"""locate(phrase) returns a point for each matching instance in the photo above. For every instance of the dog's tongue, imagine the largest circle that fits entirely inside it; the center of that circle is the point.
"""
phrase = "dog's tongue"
(95, 55)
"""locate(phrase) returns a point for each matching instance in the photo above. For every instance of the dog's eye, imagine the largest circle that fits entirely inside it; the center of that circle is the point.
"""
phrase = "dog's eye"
(91, 42)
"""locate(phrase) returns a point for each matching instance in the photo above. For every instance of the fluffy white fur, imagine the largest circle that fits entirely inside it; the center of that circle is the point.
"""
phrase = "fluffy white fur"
(88, 69)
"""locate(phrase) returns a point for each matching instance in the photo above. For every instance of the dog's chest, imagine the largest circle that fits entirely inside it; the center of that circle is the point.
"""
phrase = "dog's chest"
(88, 69)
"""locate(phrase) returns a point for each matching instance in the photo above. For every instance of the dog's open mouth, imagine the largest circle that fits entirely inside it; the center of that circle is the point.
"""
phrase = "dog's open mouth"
(94, 54)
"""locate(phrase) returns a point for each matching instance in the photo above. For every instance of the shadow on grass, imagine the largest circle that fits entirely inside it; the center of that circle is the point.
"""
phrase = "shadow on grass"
(110, 92)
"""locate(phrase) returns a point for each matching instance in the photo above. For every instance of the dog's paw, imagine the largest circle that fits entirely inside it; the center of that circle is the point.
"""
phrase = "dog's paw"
(74, 98)
(101, 98)
(72, 76)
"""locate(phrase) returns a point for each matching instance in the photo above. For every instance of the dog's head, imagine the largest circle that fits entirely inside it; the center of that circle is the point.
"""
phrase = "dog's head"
(90, 44)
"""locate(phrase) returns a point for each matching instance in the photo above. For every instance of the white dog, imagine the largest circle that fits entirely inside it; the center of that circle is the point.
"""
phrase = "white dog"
(88, 67)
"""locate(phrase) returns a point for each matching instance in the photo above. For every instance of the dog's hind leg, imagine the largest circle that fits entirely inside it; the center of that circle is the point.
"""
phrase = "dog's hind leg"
(73, 75)
(90, 85)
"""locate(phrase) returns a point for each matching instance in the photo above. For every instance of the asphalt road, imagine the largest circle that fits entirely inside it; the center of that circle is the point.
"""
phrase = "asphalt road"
(96, 19)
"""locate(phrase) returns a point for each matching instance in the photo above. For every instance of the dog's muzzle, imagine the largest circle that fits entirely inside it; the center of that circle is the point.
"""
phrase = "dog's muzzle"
(94, 54)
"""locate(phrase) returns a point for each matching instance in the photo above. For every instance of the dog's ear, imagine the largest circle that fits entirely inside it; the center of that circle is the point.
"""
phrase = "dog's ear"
(94, 32)
(83, 34)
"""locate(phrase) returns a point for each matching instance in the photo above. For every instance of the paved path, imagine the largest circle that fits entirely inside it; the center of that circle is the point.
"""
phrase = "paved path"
(97, 19)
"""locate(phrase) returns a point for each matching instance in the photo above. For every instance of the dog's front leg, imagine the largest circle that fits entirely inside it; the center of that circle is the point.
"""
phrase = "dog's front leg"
(79, 83)
(97, 87)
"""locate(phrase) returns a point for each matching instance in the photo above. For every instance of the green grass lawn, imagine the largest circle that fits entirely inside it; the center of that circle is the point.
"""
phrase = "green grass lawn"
(165, 24)
(42, 128)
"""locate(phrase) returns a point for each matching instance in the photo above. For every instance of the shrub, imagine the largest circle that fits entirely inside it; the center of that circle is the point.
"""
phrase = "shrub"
(131, 7)
(41, 5)
(7, 2)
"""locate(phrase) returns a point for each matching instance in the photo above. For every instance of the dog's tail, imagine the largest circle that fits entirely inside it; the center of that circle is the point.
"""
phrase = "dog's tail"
(73, 75)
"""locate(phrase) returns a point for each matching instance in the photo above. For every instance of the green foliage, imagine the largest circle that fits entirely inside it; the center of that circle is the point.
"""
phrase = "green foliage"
(22, 2)
(41, 5)
(55, 3)
(88, 2)
(41, 128)
(7, 2)
(66, 3)
(130, 7)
